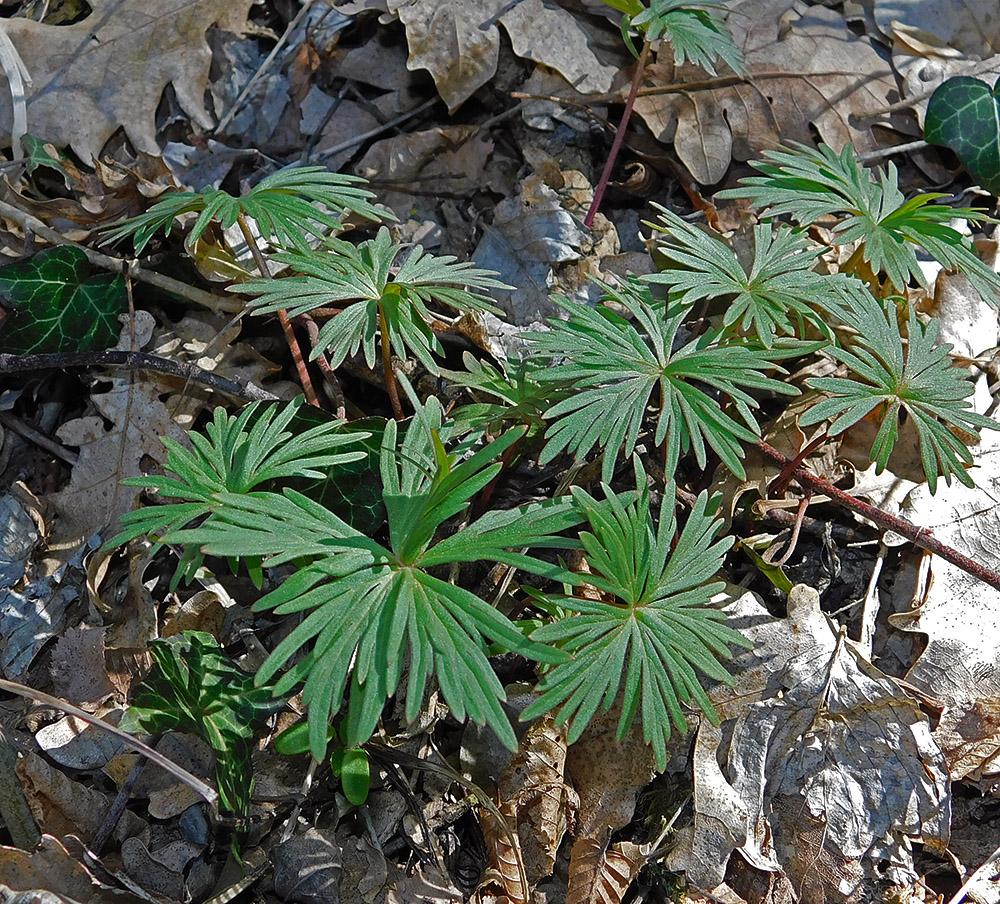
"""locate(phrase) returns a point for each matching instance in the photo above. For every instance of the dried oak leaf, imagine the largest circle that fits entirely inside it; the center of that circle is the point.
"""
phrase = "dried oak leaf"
(109, 70)
(806, 70)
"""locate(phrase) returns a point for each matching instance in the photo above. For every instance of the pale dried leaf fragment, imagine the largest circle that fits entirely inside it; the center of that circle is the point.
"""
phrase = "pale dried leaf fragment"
(109, 70)
(62, 806)
(51, 867)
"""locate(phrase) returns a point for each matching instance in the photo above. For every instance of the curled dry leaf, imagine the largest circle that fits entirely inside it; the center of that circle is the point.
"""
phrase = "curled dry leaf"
(459, 42)
(108, 70)
(537, 805)
(828, 766)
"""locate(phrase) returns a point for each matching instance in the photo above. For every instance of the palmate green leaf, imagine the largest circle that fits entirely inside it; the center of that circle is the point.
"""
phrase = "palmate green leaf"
(616, 369)
(807, 184)
(659, 633)
(195, 687)
(236, 455)
(287, 206)
(921, 381)
(695, 31)
(780, 294)
(59, 305)
(370, 279)
(371, 607)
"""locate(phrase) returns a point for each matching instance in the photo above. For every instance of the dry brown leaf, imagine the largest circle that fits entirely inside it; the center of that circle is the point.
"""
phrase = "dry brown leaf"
(615, 869)
(77, 666)
(608, 775)
(62, 806)
(821, 768)
(51, 867)
(109, 70)
(536, 804)
(807, 71)
(441, 161)
(459, 42)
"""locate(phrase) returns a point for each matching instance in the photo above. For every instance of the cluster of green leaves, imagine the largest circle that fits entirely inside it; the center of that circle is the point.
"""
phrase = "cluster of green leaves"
(872, 214)
(381, 290)
(653, 627)
(372, 605)
(369, 609)
(287, 206)
(616, 364)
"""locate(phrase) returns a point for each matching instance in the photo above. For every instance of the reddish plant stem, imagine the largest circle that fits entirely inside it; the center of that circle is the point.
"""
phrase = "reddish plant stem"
(286, 325)
(918, 536)
(602, 186)
(780, 483)
(336, 392)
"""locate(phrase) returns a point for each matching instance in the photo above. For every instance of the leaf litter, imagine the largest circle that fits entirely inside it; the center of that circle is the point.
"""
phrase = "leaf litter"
(826, 779)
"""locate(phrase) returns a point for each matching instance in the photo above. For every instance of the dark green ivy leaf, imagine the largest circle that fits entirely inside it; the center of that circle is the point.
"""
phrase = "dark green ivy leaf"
(964, 114)
(58, 306)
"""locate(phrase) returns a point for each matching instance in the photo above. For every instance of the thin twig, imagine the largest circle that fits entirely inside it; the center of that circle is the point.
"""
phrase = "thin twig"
(918, 536)
(117, 807)
(16, 425)
(640, 68)
(204, 790)
(326, 153)
(242, 389)
(118, 265)
(245, 93)
(390, 374)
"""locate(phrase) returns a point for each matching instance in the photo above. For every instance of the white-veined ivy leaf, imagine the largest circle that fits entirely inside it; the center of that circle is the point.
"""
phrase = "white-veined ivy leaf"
(59, 305)
(195, 687)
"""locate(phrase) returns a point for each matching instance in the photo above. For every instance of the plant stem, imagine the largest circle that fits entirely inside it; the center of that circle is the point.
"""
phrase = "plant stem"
(390, 375)
(918, 536)
(780, 483)
(286, 325)
(640, 68)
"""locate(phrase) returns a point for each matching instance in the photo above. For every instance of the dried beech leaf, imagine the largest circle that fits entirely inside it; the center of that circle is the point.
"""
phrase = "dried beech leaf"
(608, 775)
(459, 42)
(822, 767)
(610, 871)
(62, 806)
